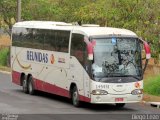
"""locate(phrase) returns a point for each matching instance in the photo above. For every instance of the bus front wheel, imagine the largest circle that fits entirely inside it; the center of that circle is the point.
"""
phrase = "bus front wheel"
(75, 97)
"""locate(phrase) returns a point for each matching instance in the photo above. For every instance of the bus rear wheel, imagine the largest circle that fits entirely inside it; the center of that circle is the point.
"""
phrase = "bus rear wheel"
(25, 86)
(31, 89)
(75, 97)
(120, 105)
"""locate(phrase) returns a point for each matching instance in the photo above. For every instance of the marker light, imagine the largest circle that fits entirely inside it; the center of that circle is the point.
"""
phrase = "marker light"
(137, 85)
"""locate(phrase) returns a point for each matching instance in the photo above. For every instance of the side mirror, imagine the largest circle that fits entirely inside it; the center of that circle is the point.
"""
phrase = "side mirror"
(90, 51)
(147, 50)
(148, 54)
(90, 46)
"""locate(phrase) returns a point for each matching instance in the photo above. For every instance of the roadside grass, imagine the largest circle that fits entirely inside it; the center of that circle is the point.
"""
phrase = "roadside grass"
(4, 52)
(5, 40)
(152, 85)
(151, 98)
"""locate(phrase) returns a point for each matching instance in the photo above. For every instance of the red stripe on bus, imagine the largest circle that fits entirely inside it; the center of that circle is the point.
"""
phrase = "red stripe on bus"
(84, 98)
(16, 77)
(47, 87)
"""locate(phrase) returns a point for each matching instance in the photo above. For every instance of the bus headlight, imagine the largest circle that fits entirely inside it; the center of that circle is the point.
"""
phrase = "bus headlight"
(99, 92)
(137, 92)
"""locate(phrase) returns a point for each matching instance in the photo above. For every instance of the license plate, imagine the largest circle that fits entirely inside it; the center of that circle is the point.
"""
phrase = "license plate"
(119, 99)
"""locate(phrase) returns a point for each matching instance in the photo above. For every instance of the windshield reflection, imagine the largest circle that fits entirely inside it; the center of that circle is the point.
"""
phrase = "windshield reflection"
(117, 57)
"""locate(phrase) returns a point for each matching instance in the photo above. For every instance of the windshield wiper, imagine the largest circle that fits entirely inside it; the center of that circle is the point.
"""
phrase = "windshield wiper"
(134, 76)
(105, 77)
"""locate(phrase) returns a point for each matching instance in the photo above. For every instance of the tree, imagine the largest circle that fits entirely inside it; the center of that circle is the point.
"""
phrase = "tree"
(7, 13)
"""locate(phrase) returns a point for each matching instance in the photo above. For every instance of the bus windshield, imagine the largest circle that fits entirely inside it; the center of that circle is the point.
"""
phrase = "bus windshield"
(117, 57)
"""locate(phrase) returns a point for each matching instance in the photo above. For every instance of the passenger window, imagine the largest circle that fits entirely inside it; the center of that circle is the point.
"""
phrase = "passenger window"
(54, 40)
(78, 48)
(27, 37)
(62, 40)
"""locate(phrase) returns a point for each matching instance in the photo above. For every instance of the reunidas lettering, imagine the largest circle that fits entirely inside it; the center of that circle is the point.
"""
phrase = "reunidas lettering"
(37, 56)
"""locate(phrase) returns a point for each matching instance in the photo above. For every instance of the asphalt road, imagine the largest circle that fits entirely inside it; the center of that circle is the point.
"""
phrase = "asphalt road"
(42, 106)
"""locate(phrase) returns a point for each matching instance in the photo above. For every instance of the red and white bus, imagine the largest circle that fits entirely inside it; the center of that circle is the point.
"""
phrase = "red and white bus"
(99, 65)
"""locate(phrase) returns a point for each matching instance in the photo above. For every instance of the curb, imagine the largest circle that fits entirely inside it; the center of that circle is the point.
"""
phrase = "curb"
(152, 104)
(5, 72)
(155, 104)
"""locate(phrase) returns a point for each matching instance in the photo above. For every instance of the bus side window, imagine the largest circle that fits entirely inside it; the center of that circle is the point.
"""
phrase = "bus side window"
(22, 37)
(28, 37)
(49, 40)
(56, 40)
(78, 48)
(62, 40)
(38, 38)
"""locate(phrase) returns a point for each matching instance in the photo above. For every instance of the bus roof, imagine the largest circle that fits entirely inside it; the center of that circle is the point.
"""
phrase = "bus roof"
(90, 30)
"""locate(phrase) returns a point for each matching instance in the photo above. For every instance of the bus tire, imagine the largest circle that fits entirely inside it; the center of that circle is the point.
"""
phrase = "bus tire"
(75, 97)
(25, 86)
(120, 105)
(31, 89)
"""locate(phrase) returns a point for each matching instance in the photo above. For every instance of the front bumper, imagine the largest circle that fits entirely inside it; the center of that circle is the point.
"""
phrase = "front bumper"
(111, 98)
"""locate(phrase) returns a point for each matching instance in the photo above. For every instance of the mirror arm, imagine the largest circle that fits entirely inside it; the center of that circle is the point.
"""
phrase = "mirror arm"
(145, 66)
